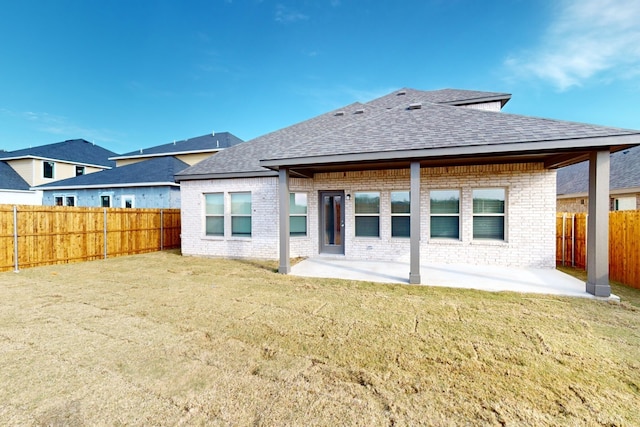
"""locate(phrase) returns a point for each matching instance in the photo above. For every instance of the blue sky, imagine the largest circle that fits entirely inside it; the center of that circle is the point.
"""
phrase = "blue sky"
(134, 74)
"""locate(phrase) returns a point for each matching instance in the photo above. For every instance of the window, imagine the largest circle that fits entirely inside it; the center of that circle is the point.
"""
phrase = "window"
(128, 201)
(488, 213)
(445, 214)
(298, 214)
(624, 204)
(79, 170)
(368, 214)
(105, 201)
(70, 201)
(47, 169)
(214, 214)
(241, 214)
(400, 214)
(59, 201)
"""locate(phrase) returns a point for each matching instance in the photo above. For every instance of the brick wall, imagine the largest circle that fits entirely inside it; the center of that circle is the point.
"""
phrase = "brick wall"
(530, 213)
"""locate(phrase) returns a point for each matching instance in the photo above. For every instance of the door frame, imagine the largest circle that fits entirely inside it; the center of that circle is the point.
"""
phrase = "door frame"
(322, 247)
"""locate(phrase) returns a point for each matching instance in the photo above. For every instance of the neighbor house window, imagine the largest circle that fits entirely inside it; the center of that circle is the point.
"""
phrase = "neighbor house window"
(488, 213)
(400, 214)
(59, 200)
(70, 200)
(445, 214)
(47, 169)
(128, 201)
(79, 170)
(298, 214)
(241, 214)
(214, 214)
(367, 212)
(105, 201)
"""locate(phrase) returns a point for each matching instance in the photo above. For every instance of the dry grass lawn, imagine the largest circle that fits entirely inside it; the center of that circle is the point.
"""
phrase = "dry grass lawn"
(160, 339)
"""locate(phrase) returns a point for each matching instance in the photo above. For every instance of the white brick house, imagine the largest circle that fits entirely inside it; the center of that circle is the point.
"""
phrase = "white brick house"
(437, 176)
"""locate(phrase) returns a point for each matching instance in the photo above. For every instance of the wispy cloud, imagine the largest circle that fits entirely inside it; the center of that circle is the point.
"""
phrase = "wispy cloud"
(587, 39)
(285, 15)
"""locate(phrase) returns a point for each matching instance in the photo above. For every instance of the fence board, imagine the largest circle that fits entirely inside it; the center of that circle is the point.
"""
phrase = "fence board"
(624, 244)
(59, 234)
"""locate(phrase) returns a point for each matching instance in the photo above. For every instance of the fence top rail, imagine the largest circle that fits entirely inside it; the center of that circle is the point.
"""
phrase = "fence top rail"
(40, 208)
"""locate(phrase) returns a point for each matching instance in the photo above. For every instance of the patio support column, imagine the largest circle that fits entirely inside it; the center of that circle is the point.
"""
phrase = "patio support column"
(283, 198)
(598, 225)
(414, 231)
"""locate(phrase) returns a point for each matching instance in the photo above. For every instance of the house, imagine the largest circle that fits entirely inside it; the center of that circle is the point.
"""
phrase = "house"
(624, 183)
(417, 176)
(142, 179)
(48, 163)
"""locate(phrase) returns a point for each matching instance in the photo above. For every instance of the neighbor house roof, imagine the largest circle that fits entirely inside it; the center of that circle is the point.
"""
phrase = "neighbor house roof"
(77, 151)
(200, 144)
(408, 124)
(624, 174)
(156, 171)
(10, 179)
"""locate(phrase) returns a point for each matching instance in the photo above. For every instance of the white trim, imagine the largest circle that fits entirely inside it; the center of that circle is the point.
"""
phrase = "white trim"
(166, 153)
(106, 185)
(124, 198)
(51, 159)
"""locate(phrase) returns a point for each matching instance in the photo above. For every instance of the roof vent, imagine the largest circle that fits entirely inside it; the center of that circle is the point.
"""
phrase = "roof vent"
(402, 92)
(415, 106)
(359, 111)
(339, 113)
(141, 151)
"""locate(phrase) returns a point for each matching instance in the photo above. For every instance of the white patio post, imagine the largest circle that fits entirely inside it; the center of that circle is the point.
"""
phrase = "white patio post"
(414, 231)
(598, 226)
(283, 197)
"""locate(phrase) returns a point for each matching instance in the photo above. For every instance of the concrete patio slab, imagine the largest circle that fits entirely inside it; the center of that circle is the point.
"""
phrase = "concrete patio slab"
(485, 278)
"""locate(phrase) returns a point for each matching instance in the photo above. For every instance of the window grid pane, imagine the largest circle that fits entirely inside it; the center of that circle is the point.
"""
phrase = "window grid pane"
(367, 226)
(214, 204)
(400, 226)
(444, 221)
(241, 214)
(368, 203)
(445, 227)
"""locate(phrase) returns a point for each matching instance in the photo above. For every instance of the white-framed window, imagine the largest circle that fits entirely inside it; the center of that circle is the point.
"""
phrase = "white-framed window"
(241, 214)
(214, 214)
(627, 203)
(444, 218)
(48, 169)
(400, 214)
(64, 200)
(298, 214)
(105, 201)
(79, 170)
(489, 214)
(367, 211)
(128, 201)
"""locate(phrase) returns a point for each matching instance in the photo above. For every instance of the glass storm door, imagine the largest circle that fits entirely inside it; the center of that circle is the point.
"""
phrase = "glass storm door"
(332, 222)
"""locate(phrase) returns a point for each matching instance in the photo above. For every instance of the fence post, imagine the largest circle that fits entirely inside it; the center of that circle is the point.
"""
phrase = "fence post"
(573, 240)
(161, 230)
(564, 226)
(15, 239)
(105, 233)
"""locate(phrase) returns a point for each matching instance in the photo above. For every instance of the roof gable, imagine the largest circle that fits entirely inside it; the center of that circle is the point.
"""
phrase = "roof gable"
(156, 170)
(73, 151)
(10, 179)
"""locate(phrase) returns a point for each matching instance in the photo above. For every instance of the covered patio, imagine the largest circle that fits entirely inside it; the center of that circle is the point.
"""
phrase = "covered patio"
(480, 277)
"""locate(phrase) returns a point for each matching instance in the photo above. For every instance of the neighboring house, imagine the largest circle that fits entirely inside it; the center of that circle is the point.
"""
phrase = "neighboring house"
(48, 163)
(148, 184)
(412, 176)
(142, 179)
(624, 183)
(14, 189)
(190, 151)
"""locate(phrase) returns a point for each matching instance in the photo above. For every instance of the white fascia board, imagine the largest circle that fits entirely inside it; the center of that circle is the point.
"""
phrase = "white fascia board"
(94, 186)
(166, 154)
(50, 159)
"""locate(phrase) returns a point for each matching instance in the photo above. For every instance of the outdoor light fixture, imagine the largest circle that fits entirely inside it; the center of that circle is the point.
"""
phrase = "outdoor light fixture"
(348, 196)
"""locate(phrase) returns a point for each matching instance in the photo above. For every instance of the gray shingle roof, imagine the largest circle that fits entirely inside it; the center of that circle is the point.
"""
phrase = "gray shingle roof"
(624, 173)
(73, 150)
(10, 180)
(387, 125)
(197, 144)
(155, 170)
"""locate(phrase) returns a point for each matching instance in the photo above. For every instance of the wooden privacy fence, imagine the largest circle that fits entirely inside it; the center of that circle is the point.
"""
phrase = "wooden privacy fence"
(44, 235)
(624, 244)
